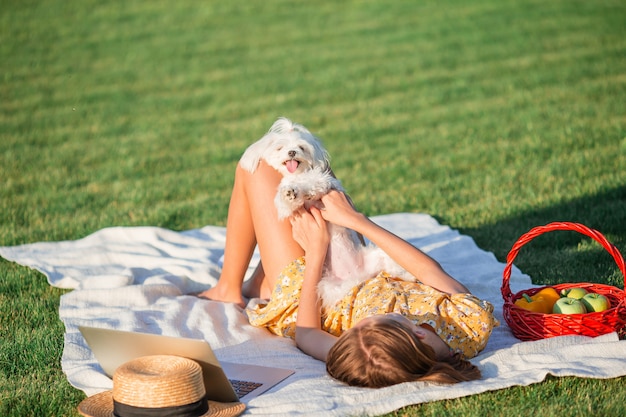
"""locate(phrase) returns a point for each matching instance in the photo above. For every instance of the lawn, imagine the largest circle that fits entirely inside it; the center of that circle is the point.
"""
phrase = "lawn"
(494, 116)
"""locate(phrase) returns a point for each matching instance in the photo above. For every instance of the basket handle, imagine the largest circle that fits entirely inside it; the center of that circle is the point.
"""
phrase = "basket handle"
(577, 227)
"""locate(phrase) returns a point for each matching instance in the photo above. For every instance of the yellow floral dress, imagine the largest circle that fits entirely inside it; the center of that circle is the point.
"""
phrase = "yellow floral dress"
(463, 321)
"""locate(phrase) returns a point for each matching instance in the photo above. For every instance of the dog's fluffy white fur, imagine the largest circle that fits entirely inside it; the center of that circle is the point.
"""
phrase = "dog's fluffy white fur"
(305, 165)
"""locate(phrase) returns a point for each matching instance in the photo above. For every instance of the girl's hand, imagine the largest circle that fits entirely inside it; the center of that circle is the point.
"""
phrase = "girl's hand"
(309, 229)
(339, 210)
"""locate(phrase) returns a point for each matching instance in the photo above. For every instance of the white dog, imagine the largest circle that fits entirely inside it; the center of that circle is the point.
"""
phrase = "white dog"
(305, 165)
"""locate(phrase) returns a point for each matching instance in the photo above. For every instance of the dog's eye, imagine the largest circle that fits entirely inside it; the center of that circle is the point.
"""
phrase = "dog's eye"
(301, 148)
(280, 148)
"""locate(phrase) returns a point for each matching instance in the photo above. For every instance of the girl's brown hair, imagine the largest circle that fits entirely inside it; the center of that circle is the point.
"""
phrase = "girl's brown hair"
(386, 353)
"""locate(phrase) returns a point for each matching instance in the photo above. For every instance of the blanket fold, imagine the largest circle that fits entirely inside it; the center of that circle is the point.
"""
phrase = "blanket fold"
(143, 279)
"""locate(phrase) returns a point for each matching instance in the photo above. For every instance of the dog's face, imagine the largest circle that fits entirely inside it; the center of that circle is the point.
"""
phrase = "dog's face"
(293, 154)
(289, 148)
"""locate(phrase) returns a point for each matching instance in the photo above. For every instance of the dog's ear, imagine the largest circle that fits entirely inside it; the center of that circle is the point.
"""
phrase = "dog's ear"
(320, 154)
(254, 153)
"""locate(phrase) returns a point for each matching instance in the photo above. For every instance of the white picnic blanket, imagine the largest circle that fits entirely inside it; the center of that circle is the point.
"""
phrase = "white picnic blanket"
(142, 278)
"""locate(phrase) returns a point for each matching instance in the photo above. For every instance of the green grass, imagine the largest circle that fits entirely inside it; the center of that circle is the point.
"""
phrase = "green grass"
(494, 116)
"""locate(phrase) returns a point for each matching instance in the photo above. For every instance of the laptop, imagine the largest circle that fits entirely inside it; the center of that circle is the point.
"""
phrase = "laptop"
(223, 381)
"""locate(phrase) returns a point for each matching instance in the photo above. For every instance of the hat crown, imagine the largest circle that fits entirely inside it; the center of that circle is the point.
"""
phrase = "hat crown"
(158, 381)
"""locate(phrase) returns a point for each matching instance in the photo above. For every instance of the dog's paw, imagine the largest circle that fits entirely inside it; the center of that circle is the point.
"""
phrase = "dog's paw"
(293, 193)
(290, 194)
(288, 199)
(313, 195)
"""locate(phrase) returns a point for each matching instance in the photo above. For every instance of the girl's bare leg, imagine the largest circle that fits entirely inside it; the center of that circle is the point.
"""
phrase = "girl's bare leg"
(240, 244)
(252, 220)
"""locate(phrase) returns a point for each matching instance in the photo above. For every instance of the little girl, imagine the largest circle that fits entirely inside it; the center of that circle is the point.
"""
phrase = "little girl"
(385, 330)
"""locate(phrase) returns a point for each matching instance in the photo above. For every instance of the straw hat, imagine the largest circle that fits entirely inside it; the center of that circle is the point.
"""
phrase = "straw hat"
(154, 385)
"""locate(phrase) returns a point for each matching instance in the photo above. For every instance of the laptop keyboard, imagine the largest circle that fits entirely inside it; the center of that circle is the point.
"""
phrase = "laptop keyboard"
(244, 387)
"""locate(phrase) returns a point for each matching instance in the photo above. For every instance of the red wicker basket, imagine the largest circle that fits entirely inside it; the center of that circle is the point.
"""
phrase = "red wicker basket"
(528, 325)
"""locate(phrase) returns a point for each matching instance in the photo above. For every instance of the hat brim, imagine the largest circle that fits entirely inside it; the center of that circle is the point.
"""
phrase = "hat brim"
(101, 405)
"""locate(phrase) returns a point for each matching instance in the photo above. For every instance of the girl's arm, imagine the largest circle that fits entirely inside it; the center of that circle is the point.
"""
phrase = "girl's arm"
(309, 230)
(339, 211)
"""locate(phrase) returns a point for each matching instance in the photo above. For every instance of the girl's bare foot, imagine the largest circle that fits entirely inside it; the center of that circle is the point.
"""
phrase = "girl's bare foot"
(256, 288)
(225, 295)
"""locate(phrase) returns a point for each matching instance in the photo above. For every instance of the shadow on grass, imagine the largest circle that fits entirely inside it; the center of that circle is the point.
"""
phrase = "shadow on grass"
(564, 256)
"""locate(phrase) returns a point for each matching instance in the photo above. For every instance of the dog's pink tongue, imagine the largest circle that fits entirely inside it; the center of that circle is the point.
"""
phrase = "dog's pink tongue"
(291, 165)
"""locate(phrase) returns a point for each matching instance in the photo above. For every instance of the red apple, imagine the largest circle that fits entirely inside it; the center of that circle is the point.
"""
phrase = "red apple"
(596, 302)
(567, 305)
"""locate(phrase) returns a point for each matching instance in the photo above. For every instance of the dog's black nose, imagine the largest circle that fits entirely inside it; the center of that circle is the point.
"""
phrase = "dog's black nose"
(291, 154)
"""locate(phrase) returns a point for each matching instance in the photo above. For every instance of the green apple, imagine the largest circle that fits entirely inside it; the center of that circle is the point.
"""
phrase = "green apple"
(596, 302)
(576, 293)
(567, 305)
